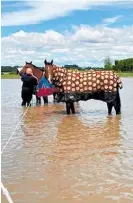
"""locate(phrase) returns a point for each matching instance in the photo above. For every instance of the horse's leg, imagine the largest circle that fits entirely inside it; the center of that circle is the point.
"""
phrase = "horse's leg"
(117, 103)
(54, 97)
(72, 108)
(110, 105)
(38, 100)
(45, 99)
(68, 107)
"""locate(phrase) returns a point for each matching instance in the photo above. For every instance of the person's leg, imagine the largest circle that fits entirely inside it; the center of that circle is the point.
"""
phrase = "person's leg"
(23, 96)
(29, 98)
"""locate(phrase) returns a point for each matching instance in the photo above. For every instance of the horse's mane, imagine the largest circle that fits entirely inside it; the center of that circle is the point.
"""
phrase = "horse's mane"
(60, 67)
(40, 68)
(66, 69)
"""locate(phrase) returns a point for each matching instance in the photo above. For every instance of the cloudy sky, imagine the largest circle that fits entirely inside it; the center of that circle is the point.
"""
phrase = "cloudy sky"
(82, 32)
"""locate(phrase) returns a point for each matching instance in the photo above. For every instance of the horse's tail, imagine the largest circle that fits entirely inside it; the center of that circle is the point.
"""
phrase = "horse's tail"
(119, 83)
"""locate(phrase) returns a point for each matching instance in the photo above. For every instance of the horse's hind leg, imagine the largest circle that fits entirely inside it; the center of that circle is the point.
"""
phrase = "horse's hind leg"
(117, 104)
(109, 105)
(45, 99)
(72, 108)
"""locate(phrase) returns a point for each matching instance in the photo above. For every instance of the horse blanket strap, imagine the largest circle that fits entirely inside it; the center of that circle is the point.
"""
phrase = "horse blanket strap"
(44, 88)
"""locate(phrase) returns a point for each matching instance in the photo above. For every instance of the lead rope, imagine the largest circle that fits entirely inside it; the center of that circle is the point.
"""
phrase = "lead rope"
(5, 191)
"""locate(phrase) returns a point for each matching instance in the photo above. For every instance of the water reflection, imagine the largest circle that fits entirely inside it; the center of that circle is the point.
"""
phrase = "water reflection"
(77, 166)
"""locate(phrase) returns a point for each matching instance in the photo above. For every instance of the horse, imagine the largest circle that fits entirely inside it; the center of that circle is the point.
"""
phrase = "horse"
(76, 85)
(38, 73)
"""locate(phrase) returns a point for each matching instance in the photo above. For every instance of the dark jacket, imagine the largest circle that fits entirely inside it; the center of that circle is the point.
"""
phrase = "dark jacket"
(29, 82)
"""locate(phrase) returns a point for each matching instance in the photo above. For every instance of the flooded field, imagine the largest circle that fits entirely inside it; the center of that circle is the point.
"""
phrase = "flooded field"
(59, 158)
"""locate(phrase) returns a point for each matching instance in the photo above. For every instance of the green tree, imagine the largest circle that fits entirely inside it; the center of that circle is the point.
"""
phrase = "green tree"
(124, 65)
(108, 64)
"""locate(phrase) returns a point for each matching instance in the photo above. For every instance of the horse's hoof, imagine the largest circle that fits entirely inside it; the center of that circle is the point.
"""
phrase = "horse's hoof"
(118, 113)
(55, 100)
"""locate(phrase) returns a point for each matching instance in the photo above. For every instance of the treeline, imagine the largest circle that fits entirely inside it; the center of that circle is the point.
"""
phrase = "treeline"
(9, 69)
(125, 65)
(81, 68)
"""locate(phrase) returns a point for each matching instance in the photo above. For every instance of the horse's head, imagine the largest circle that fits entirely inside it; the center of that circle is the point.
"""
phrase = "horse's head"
(49, 70)
(38, 72)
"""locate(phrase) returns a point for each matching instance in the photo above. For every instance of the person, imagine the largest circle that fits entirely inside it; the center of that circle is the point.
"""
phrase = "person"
(29, 83)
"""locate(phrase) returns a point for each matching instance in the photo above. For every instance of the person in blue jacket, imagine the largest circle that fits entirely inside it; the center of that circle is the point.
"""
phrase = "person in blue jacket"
(29, 83)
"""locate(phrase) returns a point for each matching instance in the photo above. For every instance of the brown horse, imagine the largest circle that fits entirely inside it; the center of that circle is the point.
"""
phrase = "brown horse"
(39, 73)
(75, 86)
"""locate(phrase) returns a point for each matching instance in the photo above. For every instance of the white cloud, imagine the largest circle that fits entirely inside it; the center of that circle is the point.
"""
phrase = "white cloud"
(46, 10)
(112, 20)
(84, 45)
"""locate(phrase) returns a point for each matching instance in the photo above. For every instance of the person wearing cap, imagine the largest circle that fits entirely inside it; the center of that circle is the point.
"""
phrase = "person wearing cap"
(29, 83)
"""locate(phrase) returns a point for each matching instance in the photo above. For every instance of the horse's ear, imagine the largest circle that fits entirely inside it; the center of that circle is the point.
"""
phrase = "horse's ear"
(26, 62)
(31, 62)
(45, 61)
(52, 62)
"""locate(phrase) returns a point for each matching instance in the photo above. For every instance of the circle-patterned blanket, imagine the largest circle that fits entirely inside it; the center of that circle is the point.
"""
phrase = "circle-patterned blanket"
(71, 81)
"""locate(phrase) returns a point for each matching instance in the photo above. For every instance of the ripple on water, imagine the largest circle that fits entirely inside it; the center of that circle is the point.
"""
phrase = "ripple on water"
(53, 157)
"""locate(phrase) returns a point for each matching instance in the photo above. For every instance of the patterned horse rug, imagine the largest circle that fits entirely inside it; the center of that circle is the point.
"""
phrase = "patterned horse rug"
(44, 88)
(78, 85)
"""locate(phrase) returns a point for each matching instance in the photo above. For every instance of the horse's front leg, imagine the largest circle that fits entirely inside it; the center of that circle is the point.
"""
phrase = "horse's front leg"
(54, 97)
(68, 107)
(45, 99)
(38, 100)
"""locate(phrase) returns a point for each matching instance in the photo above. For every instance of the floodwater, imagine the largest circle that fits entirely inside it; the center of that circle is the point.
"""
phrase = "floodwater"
(59, 158)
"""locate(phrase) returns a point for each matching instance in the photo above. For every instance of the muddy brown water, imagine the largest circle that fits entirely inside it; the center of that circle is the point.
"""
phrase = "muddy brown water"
(56, 158)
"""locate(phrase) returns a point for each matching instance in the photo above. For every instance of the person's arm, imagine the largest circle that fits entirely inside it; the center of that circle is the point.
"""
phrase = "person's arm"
(23, 76)
(35, 81)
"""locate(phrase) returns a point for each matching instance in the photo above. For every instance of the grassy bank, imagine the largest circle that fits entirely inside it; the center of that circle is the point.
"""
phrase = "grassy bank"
(10, 76)
(125, 74)
(15, 76)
